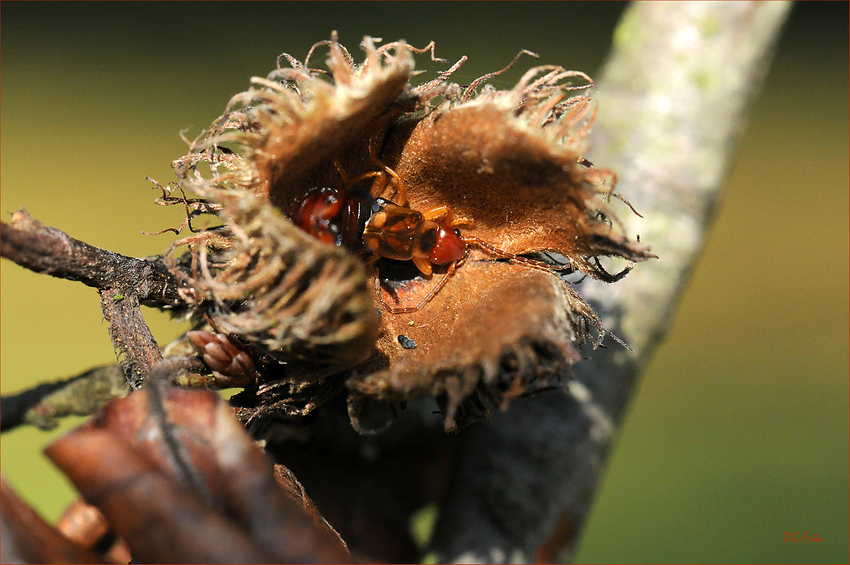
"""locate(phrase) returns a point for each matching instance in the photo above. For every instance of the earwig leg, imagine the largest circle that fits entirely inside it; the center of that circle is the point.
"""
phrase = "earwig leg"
(391, 309)
(437, 288)
(379, 185)
(341, 172)
(369, 259)
(428, 297)
(424, 265)
(363, 177)
(440, 214)
(401, 188)
(540, 265)
(347, 182)
(380, 179)
(410, 309)
(378, 290)
(444, 215)
(462, 221)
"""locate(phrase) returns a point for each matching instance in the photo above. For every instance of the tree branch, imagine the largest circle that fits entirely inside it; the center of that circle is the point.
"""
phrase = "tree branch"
(673, 100)
(125, 283)
(81, 395)
(44, 249)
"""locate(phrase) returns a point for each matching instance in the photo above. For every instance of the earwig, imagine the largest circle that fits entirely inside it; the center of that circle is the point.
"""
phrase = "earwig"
(376, 227)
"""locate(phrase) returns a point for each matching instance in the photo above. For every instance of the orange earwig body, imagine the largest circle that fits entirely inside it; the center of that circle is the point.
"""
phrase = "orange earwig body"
(398, 232)
(364, 223)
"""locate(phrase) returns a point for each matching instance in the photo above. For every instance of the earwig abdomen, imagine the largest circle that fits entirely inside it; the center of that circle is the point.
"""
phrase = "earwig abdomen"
(335, 216)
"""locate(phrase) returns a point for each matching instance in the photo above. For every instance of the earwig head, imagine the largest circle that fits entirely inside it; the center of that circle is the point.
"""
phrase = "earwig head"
(449, 247)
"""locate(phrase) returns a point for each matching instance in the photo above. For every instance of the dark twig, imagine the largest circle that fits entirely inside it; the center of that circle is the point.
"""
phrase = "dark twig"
(125, 283)
(81, 395)
(44, 249)
(137, 349)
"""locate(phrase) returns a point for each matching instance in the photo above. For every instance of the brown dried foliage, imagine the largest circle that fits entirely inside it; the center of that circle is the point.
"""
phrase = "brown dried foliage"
(27, 538)
(207, 495)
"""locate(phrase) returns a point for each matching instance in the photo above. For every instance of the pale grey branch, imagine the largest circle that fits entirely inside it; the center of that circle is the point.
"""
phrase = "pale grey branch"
(674, 95)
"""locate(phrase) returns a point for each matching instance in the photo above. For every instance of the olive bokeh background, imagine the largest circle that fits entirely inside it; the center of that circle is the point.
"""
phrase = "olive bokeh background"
(739, 431)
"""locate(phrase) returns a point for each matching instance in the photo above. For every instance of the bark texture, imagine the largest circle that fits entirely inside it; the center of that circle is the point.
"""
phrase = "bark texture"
(674, 96)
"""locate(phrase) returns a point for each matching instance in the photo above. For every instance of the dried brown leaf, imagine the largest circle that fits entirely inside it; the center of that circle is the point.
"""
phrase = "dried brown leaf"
(160, 519)
(85, 525)
(27, 538)
(191, 489)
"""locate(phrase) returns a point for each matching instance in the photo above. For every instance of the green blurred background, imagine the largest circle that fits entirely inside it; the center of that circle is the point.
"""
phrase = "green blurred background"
(739, 431)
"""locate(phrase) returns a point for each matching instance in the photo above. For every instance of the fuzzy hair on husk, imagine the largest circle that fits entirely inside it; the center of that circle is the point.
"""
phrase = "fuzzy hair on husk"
(506, 161)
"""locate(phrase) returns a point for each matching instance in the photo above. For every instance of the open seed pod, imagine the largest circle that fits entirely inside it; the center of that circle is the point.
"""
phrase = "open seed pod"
(506, 164)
